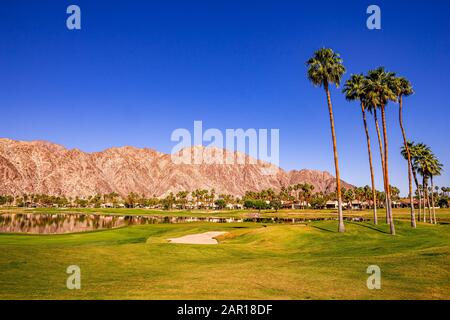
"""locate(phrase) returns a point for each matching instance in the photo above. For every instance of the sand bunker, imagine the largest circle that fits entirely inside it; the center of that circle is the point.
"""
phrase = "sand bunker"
(199, 238)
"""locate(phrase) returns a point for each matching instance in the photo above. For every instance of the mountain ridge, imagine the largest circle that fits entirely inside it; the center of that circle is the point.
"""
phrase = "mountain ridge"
(44, 167)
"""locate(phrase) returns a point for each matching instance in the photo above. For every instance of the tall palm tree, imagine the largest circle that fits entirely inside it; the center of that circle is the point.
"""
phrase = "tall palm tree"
(382, 84)
(325, 68)
(403, 88)
(372, 103)
(435, 170)
(355, 89)
(425, 162)
(414, 155)
(422, 158)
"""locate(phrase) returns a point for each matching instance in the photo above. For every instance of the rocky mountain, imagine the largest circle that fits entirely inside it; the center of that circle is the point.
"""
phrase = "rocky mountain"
(43, 167)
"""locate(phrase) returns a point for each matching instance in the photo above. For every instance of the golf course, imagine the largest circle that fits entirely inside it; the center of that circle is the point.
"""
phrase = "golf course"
(309, 260)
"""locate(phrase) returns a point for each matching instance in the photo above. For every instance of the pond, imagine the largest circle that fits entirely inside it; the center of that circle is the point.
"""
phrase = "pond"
(43, 223)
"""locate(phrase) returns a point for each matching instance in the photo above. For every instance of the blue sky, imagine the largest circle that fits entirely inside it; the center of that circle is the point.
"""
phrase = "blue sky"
(137, 70)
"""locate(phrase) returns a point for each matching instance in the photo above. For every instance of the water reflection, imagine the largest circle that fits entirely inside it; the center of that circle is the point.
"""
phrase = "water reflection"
(42, 223)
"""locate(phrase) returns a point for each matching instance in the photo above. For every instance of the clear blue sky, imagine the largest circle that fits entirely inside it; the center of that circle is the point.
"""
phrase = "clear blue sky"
(140, 69)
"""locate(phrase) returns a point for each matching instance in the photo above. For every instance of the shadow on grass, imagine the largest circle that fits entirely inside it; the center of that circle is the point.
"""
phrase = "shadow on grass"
(354, 223)
(367, 226)
(323, 229)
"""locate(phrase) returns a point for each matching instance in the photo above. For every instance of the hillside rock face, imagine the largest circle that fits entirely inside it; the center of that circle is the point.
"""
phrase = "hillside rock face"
(43, 167)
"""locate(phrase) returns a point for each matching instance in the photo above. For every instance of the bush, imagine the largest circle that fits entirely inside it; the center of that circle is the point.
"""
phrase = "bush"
(318, 203)
(248, 204)
(275, 204)
(443, 203)
(220, 203)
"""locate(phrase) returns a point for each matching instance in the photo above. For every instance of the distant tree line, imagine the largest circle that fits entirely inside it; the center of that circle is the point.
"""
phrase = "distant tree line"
(298, 196)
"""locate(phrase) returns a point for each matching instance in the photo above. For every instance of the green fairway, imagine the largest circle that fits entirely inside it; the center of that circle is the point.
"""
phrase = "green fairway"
(252, 261)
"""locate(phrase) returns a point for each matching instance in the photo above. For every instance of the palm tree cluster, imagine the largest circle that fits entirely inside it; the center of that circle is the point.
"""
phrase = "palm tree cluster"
(32, 199)
(373, 91)
(297, 195)
(426, 164)
(300, 193)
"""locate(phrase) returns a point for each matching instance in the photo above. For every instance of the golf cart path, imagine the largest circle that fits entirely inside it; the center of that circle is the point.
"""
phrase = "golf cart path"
(198, 238)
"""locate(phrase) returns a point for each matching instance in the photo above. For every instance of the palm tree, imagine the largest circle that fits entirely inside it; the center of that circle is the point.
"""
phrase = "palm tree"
(420, 152)
(368, 192)
(211, 197)
(414, 151)
(435, 170)
(349, 196)
(196, 196)
(182, 198)
(307, 192)
(382, 84)
(403, 88)
(372, 103)
(325, 68)
(424, 161)
(355, 89)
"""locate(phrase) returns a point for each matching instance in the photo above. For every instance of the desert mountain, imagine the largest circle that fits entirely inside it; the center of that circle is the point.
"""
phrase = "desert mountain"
(44, 167)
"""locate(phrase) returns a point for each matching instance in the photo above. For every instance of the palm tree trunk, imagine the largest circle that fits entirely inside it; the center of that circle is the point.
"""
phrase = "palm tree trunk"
(341, 227)
(432, 199)
(429, 206)
(380, 144)
(405, 141)
(386, 169)
(418, 192)
(426, 201)
(372, 177)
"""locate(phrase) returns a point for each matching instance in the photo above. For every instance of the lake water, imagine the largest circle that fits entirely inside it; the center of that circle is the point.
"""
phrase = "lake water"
(42, 223)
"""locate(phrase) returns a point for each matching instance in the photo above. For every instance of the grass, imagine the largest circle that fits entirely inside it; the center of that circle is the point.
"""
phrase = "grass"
(252, 261)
